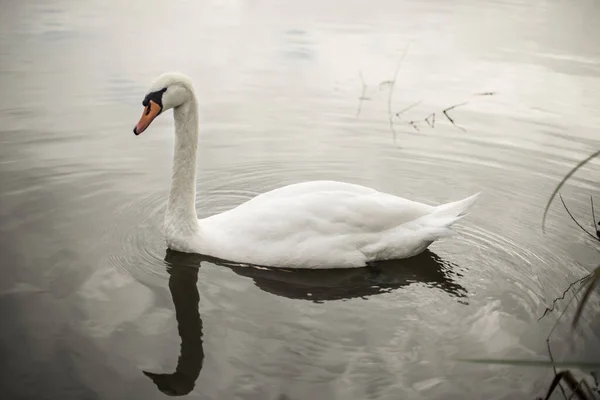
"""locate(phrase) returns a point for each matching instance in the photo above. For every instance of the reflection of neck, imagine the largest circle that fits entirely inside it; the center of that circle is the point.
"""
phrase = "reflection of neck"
(181, 209)
(186, 299)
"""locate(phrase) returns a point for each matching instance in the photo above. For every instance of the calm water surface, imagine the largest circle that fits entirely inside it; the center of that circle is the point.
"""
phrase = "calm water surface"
(94, 307)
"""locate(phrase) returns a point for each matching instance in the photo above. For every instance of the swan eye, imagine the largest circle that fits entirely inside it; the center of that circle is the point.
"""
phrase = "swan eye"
(155, 97)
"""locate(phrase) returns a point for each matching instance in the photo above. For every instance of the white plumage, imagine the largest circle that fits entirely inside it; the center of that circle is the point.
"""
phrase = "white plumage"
(319, 224)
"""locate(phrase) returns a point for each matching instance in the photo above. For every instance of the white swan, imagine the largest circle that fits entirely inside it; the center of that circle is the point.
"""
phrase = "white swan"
(320, 224)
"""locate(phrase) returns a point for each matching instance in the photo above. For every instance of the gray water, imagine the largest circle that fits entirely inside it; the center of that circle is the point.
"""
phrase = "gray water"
(90, 298)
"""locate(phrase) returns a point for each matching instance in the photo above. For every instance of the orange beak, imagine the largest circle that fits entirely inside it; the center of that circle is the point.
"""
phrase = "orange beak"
(150, 112)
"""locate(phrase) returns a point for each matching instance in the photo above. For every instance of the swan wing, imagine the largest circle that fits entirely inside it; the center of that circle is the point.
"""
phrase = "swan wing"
(322, 212)
(300, 228)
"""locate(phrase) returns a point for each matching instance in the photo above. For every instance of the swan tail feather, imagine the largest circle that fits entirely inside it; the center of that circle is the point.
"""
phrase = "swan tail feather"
(437, 224)
(457, 208)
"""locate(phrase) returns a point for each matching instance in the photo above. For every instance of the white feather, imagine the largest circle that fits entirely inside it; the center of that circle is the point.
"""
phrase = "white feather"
(318, 224)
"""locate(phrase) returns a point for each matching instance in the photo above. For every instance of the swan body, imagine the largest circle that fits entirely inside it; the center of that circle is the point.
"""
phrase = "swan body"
(317, 224)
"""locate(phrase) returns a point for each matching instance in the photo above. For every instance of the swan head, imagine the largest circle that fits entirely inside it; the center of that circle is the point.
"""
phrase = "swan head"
(169, 90)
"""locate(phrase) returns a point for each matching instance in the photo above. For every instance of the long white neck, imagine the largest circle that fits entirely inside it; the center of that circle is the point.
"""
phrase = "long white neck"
(181, 209)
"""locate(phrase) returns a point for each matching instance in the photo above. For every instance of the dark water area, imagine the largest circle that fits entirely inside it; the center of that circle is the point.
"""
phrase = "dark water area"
(94, 306)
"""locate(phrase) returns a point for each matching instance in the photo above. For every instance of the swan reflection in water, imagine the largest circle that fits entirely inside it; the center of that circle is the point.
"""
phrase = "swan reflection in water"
(183, 280)
(312, 285)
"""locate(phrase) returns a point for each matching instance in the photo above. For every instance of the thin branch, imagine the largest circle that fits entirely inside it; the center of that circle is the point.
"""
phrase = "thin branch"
(562, 389)
(430, 119)
(392, 84)
(593, 216)
(362, 94)
(595, 377)
(556, 325)
(562, 297)
(575, 386)
(562, 182)
(405, 109)
(573, 218)
(445, 111)
(432, 123)
(594, 278)
(456, 105)
(578, 391)
(556, 381)
(414, 125)
(582, 365)
(596, 227)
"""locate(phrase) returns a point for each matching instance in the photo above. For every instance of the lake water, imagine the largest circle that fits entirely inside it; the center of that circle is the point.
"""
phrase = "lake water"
(90, 298)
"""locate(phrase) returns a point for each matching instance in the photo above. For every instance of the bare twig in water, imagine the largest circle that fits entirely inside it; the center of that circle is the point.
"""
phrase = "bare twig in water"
(574, 220)
(576, 387)
(596, 227)
(414, 125)
(562, 182)
(432, 122)
(578, 390)
(445, 111)
(562, 297)
(562, 389)
(392, 83)
(362, 94)
(405, 109)
(593, 280)
(593, 215)
(582, 281)
(596, 383)
(456, 105)
(430, 119)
